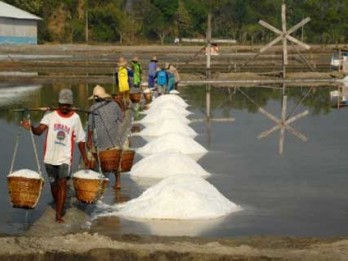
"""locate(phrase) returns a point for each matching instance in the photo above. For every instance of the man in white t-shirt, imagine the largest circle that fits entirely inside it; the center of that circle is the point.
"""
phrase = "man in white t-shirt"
(64, 128)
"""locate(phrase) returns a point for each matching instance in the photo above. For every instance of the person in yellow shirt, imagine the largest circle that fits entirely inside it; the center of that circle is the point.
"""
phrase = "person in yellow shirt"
(123, 77)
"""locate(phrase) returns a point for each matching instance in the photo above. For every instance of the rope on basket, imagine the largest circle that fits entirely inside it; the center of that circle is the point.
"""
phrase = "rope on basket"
(34, 147)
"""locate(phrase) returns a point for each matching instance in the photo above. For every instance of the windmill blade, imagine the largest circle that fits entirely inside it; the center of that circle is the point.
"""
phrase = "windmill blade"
(276, 40)
(298, 42)
(273, 118)
(297, 26)
(270, 27)
(266, 133)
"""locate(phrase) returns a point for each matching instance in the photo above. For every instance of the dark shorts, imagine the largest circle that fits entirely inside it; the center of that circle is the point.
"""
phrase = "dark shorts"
(56, 172)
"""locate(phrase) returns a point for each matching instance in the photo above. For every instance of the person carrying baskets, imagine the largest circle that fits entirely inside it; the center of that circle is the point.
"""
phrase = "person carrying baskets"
(63, 127)
(103, 137)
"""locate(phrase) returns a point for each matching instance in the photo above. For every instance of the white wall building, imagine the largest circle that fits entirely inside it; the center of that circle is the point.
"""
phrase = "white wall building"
(17, 26)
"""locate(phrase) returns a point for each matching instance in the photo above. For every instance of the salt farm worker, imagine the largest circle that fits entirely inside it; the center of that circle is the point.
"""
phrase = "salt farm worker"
(63, 127)
(126, 125)
(123, 77)
(137, 71)
(103, 125)
(152, 70)
(172, 71)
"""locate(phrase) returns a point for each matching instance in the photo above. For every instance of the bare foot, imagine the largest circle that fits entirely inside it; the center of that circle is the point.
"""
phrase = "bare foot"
(59, 220)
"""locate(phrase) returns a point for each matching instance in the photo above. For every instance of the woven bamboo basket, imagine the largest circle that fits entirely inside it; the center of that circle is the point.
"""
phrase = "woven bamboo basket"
(127, 157)
(24, 192)
(89, 190)
(135, 97)
(110, 159)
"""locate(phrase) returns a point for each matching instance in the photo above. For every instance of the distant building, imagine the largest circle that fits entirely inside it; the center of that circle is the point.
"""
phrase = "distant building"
(17, 26)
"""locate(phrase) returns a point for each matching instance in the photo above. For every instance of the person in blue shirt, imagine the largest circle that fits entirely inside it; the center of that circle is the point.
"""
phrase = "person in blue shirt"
(162, 81)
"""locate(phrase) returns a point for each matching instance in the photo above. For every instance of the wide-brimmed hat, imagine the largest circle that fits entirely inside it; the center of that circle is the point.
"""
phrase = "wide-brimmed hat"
(99, 92)
(121, 62)
(65, 97)
(154, 59)
(166, 65)
(135, 59)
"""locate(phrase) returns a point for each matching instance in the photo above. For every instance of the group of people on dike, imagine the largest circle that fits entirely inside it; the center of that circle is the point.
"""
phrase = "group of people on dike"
(163, 79)
(108, 127)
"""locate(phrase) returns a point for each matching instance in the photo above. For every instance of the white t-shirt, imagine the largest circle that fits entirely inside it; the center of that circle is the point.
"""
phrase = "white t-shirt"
(63, 131)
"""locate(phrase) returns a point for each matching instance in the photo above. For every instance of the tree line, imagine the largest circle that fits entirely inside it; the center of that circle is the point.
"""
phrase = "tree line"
(133, 22)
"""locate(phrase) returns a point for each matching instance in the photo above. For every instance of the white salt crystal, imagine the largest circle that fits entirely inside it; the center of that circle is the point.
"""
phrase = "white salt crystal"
(173, 141)
(160, 102)
(162, 115)
(167, 126)
(25, 173)
(167, 106)
(175, 98)
(165, 164)
(88, 174)
(179, 197)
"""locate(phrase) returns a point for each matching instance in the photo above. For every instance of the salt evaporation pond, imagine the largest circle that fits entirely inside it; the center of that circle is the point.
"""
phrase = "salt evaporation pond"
(173, 141)
(156, 166)
(184, 197)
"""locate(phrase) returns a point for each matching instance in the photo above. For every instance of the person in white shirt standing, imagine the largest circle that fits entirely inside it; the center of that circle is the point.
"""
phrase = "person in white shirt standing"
(63, 127)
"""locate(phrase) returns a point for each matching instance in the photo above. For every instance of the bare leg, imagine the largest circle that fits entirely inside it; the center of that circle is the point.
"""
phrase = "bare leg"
(61, 197)
(117, 179)
(54, 191)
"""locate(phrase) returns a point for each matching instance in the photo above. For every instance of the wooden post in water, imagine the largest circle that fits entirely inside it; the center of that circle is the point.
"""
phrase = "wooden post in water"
(207, 51)
(284, 35)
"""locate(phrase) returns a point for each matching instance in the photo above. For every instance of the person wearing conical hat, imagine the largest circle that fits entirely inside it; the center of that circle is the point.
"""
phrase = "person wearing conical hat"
(174, 77)
(103, 125)
(137, 72)
(152, 70)
(123, 77)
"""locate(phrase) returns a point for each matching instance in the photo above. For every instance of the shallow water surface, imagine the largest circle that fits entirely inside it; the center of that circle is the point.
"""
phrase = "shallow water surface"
(301, 192)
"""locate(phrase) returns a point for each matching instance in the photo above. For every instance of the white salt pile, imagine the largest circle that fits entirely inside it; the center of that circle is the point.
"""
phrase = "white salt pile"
(167, 106)
(167, 126)
(178, 197)
(87, 174)
(162, 115)
(173, 141)
(160, 102)
(170, 98)
(165, 164)
(25, 173)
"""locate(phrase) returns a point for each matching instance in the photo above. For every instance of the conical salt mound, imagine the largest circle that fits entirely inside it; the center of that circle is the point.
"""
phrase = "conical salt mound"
(173, 141)
(165, 164)
(179, 197)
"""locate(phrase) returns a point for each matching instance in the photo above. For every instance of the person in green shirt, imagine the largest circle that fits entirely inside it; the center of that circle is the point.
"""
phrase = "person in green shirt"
(137, 71)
